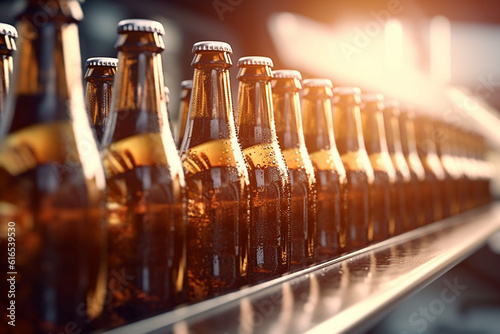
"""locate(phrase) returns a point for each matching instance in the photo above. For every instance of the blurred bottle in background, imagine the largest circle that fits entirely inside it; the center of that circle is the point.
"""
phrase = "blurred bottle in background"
(52, 193)
(288, 117)
(331, 221)
(384, 197)
(146, 188)
(434, 173)
(269, 255)
(185, 96)
(359, 172)
(100, 76)
(403, 177)
(8, 36)
(415, 209)
(217, 180)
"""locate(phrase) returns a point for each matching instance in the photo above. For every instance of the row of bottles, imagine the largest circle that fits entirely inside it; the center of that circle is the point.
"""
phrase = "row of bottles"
(118, 225)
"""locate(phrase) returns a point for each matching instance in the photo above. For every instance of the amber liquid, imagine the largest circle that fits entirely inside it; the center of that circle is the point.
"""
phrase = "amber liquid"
(431, 198)
(59, 233)
(414, 199)
(381, 209)
(399, 203)
(269, 255)
(146, 237)
(358, 209)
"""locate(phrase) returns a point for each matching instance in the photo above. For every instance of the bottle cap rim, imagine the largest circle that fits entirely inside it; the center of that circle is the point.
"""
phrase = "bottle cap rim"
(255, 61)
(287, 74)
(101, 62)
(346, 91)
(212, 46)
(187, 84)
(317, 82)
(143, 25)
(8, 30)
(372, 97)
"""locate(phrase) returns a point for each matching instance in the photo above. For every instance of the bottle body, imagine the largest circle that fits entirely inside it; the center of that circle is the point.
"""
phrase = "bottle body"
(52, 194)
(269, 255)
(8, 35)
(359, 172)
(289, 131)
(146, 187)
(331, 188)
(217, 180)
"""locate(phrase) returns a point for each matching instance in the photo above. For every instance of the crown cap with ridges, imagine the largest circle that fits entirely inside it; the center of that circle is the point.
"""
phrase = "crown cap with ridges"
(317, 82)
(187, 84)
(346, 91)
(255, 61)
(287, 74)
(101, 62)
(139, 25)
(212, 46)
(8, 30)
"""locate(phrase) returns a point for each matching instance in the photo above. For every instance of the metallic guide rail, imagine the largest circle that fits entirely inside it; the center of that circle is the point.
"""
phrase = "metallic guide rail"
(347, 293)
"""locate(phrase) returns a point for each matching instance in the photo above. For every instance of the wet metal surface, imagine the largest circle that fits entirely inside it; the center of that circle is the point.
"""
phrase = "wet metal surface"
(345, 294)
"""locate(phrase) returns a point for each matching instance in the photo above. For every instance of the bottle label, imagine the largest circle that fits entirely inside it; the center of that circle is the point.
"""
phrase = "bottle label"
(215, 153)
(37, 145)
(140, 150)
(261, 155)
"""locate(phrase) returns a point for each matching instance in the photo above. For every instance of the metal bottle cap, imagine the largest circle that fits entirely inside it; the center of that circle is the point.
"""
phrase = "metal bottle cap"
(287, 74)
(128, 25)
(255, 61)
(317, 82)
(212, 46)
(101, 62)
(8, 30)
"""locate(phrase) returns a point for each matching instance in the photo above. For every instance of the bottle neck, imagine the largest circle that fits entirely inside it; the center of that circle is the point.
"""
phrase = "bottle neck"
(408, 140)
(7, 47)
(373, 129)
(347, 127)
(425, 139)
(47, 75)
(255, 113)
(138, 104)
(392, 132)
(211, 109)
(183, 113)
(318, 127)
(288, 118)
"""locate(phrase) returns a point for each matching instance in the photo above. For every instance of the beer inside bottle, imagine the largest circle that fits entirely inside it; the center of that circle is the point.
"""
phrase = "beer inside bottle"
(269, 255)
(146, 187)
(434, 173)
(414, 199)
(404, 193)
(185, 97)
(52, 182)
(8, 36)
(331, 219)
(99, 77)
(217, 180)
(359, 172)
(384, 191)
(287, 114)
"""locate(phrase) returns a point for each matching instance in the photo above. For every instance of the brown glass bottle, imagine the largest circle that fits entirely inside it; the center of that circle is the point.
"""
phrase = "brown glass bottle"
(487, 170)
(185, 97)
(359, 172)
(467, 169)
(403, 176)
(434, 173)
(52, 182)
(99, 76)
(217, 179)
(452, 174)
(8, 36)
(146, 188)
(269, 255)
(331, 221)
(415, 210)
(385, 206)
(288, 118)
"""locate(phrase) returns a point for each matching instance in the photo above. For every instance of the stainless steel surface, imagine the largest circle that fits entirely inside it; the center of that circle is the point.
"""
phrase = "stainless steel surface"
(346, 294)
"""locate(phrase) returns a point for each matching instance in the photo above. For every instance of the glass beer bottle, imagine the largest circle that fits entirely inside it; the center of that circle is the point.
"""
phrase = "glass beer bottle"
(99, 77)
(434, 173)
(146, 188)
(414, 200)
(403, 178)
(8, 35)
(269, 255)
(359, 172)
(52, 212)
(385, 205)
(331, 187)
(185, 96)
(288, 118)
(217, 179)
